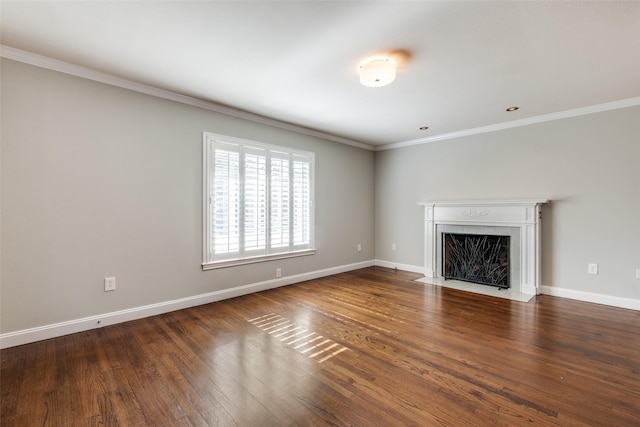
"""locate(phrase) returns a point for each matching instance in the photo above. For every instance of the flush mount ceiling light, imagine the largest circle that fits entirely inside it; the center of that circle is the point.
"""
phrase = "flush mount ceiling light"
(378, 72)
(510, 109)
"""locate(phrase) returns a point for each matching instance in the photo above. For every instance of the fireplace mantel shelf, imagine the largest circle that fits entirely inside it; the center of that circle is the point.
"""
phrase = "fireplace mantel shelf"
(524, 214)
(516, 202)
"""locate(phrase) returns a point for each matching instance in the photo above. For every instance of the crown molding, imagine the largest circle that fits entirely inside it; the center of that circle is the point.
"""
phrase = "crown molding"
(624, 103)
(90, 74)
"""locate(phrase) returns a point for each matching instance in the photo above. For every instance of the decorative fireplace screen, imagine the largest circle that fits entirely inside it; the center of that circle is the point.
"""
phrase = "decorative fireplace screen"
(476, 258)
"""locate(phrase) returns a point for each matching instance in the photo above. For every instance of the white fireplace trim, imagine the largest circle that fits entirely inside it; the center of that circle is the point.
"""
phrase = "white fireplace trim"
(524, 214)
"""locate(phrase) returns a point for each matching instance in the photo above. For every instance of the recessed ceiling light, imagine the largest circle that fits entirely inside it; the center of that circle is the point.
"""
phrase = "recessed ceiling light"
(512, 109)
(424, 128)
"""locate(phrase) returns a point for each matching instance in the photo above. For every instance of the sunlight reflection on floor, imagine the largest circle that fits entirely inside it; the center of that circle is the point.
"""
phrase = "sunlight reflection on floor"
(301, 339)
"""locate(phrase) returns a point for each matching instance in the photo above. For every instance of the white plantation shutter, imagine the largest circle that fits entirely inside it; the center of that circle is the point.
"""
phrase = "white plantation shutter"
(225, 215)
(280, 203)
(255, 202)
(258, 201)
(301, 201)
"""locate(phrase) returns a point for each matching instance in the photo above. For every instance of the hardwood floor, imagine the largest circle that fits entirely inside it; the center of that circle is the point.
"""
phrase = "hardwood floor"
(369, 347)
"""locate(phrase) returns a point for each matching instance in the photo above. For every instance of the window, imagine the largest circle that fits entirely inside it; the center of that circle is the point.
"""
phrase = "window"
(258, 202)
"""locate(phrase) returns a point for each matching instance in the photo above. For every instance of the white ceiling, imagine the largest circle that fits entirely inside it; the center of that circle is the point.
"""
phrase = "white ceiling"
(461, 63)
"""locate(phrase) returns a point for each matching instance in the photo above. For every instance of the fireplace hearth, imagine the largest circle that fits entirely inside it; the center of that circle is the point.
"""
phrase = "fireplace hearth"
(476, 258)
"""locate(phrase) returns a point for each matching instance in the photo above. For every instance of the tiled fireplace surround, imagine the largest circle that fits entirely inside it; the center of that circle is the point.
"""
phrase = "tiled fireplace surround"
(519, 219)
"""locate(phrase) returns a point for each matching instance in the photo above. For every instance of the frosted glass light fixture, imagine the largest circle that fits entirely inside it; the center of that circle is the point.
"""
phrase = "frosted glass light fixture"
(377, 72)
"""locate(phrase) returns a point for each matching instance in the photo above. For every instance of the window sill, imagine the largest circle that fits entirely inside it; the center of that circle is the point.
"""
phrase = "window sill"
(235, 262)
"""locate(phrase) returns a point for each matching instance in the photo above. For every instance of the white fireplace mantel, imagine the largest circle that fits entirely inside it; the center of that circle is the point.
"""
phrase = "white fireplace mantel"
(524, 214)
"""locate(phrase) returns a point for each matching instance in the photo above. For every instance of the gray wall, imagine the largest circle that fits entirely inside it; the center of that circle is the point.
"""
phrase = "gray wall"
(99, 181)
(589, 167)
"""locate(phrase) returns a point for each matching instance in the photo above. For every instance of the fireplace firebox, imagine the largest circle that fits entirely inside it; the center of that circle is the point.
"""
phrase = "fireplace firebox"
(476, 258)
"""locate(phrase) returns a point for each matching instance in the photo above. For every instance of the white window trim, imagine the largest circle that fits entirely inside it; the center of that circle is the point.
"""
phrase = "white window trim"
(209, 264)
(252, 260)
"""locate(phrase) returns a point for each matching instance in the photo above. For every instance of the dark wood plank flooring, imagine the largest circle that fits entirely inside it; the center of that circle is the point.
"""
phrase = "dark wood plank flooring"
(365, 348)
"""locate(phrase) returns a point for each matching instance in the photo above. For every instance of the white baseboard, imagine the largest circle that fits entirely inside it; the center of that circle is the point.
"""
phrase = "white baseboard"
(30, 335)
(629, 303)
(26, 336)
(403, 267)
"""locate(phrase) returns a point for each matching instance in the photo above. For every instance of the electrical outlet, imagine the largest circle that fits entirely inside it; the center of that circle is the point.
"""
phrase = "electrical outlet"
(109, 284)
(637, 273)
(393, 246)
(359, 247)
(278, 272)
(593, 269)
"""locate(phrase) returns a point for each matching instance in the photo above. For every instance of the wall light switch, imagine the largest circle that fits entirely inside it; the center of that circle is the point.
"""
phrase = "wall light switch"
(637, 273)
(593, 269)
(359, 247)
(393, 246)
(109, 284)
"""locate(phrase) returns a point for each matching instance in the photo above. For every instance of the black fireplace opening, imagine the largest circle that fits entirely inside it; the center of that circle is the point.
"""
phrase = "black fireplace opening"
(476, 258)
